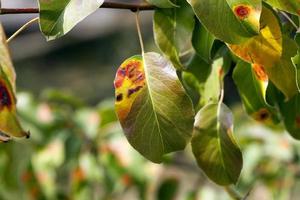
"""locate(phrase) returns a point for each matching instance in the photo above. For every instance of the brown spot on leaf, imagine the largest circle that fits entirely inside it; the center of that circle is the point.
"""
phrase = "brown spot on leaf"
(260, 72)
(262, 115)
(119, 97)
(134, 90)
(242, 11)
(5, 97)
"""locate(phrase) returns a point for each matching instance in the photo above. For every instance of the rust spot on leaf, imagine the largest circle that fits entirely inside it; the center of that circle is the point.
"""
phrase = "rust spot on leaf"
(6, 100)
(242, 11)
(260, 72)
(134, 90)
(119, 97)
(262, 115)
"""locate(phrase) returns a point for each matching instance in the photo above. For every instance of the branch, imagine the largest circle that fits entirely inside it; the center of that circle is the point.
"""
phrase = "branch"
(112, 5)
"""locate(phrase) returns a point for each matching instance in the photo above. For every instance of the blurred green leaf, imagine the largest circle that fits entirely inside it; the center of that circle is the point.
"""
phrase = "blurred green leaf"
(214, 147)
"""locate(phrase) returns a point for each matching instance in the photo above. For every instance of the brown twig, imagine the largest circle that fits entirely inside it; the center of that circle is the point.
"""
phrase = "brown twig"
(113, 5)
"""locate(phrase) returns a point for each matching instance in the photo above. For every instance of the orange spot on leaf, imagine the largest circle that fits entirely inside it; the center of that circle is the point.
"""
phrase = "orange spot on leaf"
(260, 72)
(262, 115)
(242, 11)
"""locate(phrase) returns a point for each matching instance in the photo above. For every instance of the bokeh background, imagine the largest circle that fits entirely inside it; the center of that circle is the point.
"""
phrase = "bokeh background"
(78, 151)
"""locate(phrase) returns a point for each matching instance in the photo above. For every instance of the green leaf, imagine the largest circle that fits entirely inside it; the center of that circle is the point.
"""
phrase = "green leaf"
(173, 31)
(206, 78)
(162, 3)
(154, 111)
(252, 82)
(58, 17)
(202, 42)
(213, 144)
(292, 6)
(231, 21)
(290, 112)
(5, 59)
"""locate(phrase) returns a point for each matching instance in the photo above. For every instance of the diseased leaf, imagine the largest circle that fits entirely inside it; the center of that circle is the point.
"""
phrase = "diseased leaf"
(231, 21)
(213, 144)
(202, 42)
(162, 3)
(266, 48)
(5, 60)
(272, 51)
(58, 17)
(252, 82)
(153, 108)
(9, 124)
(292, 6)
(173, 31)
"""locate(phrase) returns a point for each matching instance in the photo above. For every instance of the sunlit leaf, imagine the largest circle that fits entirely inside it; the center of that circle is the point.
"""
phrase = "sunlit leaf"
(292, 6)
(153, 108)
(202, 42)
(5, 60)
(252, 82)
(266, 48)
(162, 3)
(173, 31)
(58, 17)
(213, 144)
(272, 51)
(229, 20)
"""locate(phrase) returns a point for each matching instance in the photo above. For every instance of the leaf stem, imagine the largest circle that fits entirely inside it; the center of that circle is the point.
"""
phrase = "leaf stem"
(21, 29)
(137, 21)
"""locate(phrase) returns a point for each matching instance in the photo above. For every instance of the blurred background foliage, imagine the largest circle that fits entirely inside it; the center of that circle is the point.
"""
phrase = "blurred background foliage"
(77, 150)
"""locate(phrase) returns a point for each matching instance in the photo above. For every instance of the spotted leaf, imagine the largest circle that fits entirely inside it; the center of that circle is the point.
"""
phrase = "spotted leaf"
(292, 6)
(231, 21)
(9, 124)
(252, 82)
(154, 111)
(272, 51)
(214, 146)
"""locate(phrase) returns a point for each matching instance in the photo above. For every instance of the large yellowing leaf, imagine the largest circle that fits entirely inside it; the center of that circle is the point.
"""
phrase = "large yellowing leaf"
(5, 60)
(214, 146)
(231, 21)
(266, 48)
(9, 124)
(57, 17)
(155, 112)
(173, 31)
(292, 6)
